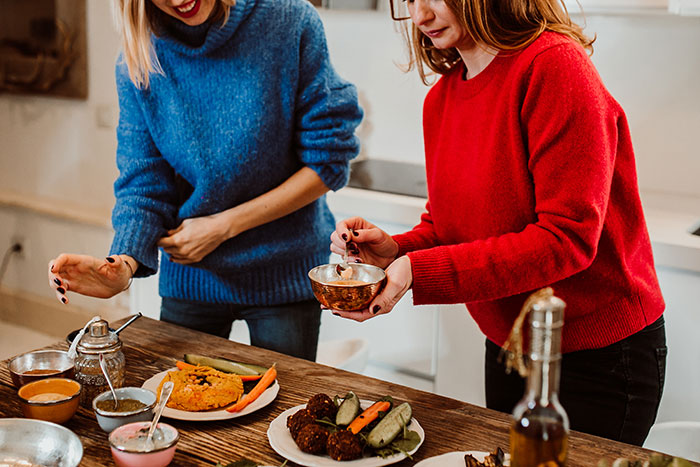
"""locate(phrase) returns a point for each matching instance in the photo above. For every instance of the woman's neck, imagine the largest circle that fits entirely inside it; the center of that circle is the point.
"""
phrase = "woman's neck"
(476, 58)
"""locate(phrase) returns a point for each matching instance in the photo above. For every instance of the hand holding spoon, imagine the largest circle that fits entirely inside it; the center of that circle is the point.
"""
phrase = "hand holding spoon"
(343, 269)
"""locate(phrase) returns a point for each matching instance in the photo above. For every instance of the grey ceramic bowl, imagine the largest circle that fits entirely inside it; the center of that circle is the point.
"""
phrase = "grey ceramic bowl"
(332, 292)
(40, 364)
(109, 420)
(35, 442)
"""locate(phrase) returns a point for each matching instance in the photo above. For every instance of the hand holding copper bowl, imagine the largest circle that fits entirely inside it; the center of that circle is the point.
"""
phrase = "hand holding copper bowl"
(336, 293)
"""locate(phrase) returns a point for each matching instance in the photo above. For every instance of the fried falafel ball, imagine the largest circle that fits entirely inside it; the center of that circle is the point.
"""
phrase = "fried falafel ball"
(320, 405)
(343, 445)
(296, 421)
(312, 438)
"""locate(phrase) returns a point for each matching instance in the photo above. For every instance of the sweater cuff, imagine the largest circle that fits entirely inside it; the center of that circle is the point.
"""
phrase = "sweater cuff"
(406, 243)
(139, 242)
(434, 278)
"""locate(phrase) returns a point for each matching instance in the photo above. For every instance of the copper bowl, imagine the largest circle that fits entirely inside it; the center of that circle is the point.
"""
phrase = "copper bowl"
(333, 291)
(55, 409)
(33, 366)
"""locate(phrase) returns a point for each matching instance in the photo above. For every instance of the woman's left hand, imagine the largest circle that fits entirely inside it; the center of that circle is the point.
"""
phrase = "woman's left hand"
(195, 238)
(399, 277)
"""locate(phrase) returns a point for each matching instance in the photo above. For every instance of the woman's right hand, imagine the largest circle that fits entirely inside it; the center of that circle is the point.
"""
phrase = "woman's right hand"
(87, 275)
(364, 241)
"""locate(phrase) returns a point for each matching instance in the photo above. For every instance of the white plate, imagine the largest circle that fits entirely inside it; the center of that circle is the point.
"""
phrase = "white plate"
(455, 459)
(221, 414)
(283, 443)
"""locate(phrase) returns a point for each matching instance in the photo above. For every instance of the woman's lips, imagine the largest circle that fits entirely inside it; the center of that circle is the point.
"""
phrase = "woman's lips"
(434, 32)
(187, 10)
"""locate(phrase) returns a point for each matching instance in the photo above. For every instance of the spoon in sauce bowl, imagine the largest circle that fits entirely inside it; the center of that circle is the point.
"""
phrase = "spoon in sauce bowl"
(165, 392)
(343, 269)
(103, 367)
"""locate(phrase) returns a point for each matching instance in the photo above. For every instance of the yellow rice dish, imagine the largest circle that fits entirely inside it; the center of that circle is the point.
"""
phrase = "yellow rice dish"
(202, 388)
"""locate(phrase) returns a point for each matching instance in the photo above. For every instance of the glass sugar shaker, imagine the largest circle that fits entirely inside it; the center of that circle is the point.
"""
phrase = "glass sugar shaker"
(98, 339)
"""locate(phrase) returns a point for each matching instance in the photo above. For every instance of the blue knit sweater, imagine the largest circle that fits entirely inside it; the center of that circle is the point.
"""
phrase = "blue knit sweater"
(228, 121)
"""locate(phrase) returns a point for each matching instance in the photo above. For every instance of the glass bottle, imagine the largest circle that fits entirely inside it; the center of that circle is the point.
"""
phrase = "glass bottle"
(98, 339)
(540, 429)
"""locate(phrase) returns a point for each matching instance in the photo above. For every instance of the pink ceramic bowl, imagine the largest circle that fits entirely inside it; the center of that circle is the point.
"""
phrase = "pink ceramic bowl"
(127, 445)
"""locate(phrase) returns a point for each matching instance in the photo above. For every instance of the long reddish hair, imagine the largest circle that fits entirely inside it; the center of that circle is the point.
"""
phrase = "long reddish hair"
(498, 24)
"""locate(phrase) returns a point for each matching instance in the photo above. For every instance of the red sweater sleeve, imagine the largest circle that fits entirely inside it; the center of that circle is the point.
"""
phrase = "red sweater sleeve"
(568, 129)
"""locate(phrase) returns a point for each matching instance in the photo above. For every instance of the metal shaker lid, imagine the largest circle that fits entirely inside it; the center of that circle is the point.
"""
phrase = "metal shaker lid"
(99, 339)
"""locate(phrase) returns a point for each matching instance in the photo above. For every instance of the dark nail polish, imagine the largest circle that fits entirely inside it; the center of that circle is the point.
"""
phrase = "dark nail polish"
(355, 251)
(61, 290)
(358, 260)
(345, 237)
(57, 281)
(63, 299)
(110, 259)
(375, 309)
(336, 314)
(355, 233)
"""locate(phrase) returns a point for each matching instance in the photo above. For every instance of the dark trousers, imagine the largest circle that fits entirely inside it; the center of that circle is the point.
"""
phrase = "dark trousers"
(613, 392)
(290, 328)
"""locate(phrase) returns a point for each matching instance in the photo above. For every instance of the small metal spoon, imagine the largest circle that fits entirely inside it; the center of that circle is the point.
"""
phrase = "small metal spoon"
(343, 267)
(165, 392)
(103, 367)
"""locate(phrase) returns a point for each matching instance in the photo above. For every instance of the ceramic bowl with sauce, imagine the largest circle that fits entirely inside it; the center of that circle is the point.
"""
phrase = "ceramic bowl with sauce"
(53, 399)
(135, 405)
(40, 364)
(128, 445)
(352, 294)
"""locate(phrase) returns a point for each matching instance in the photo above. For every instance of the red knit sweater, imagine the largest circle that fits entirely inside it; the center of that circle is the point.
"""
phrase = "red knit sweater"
(532, 183)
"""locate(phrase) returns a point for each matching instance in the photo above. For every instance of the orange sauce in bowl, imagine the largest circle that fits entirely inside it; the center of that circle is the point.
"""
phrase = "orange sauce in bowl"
(40, 372)
(349, 282)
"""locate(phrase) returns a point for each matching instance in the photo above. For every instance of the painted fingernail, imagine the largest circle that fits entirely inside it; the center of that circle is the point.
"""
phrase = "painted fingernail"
(355, 251)
(375, 309)
(63, 299)
(57, 281)
(337, 314)
(355, 233)
(61, 290)
(110, 259)
(345, 237)
(358, 260)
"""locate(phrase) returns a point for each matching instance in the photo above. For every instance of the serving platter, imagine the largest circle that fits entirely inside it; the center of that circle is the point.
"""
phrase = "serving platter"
(211, 415)
(282, 442)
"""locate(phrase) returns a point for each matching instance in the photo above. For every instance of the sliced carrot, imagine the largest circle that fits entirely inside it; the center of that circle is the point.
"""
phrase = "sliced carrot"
(250, 377)
(184, 366)
(259, 388)
(369, 415)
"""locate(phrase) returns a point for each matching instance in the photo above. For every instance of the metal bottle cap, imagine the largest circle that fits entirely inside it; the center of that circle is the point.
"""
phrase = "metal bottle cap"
(99, 339)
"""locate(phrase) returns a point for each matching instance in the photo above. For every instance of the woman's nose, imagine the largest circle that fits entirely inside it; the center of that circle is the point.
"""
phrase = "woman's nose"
(421, 11)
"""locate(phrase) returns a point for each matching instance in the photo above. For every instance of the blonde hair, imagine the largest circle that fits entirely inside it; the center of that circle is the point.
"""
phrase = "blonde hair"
(136, 21)
(499, 24)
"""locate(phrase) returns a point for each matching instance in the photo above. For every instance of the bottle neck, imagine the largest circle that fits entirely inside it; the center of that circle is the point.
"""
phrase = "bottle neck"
(545, 359)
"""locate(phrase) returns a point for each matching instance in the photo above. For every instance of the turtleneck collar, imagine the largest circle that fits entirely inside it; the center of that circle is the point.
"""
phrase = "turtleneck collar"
(205, 38)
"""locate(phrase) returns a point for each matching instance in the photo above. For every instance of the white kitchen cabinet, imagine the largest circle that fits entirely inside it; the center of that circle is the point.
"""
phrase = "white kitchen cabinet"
(684, 7)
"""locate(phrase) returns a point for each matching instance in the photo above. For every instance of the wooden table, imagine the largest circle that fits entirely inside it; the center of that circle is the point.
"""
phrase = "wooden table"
(152, 346)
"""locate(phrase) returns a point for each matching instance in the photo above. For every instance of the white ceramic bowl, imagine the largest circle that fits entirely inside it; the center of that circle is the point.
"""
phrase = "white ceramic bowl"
(109, 420)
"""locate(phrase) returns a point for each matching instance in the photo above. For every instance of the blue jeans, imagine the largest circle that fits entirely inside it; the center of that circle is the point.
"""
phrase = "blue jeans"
(290, 328)
(613, 392)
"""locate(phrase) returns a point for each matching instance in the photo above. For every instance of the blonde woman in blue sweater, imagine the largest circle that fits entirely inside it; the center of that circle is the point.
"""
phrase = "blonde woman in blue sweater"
(233, 125)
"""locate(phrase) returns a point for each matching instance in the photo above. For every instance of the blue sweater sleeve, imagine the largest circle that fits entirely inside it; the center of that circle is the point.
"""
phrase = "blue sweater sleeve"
(328, 111)
(145, 189)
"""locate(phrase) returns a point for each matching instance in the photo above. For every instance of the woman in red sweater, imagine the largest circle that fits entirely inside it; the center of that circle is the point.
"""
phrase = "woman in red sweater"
(531, 183)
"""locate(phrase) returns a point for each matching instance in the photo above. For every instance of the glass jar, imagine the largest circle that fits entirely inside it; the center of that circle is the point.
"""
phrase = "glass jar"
(98, 340)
